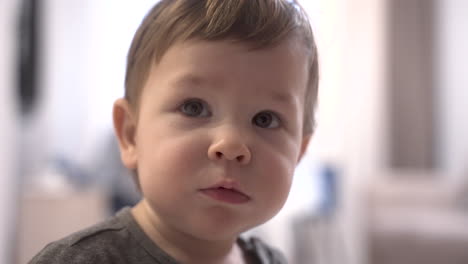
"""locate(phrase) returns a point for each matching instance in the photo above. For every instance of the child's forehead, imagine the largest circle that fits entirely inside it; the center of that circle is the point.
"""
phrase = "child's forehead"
(211, 66)
(201, 49)
(217, 56)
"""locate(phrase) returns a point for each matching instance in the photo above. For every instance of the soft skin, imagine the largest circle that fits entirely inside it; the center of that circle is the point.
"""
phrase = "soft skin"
(214, 112)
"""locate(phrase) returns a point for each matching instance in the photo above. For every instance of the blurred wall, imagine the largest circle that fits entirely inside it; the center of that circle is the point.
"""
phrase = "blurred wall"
(73, 82)
(452, 86)
(352, 114)
(83, 57)
(363, 115)
(8, 175)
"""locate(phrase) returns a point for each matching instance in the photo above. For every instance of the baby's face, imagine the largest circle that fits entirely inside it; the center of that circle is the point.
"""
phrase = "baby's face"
(219, 134)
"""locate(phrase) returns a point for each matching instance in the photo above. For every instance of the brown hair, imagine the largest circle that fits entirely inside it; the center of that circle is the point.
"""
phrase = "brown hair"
(259, 23)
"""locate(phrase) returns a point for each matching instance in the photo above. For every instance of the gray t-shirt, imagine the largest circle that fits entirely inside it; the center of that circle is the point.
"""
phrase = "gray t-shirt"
(120, 240)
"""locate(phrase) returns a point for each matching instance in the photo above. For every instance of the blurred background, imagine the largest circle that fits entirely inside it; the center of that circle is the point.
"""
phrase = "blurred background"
(385, 179)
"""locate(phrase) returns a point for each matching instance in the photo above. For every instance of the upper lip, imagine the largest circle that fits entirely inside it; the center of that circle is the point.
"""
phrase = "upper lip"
(227, 184)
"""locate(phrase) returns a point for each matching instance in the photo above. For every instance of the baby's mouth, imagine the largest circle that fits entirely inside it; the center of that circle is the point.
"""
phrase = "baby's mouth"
(227, 195)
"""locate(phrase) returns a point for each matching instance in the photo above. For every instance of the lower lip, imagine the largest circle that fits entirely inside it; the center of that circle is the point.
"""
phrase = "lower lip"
(226, 195)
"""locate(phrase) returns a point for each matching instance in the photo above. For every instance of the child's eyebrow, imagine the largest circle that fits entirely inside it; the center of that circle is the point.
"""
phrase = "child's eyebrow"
(282, 97)
(190, 80)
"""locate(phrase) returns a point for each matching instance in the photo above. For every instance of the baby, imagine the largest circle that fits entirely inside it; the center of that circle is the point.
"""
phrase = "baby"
(218, 110)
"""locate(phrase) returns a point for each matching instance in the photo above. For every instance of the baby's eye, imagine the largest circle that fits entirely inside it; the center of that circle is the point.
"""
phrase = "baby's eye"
(266, 119)
(194, 108)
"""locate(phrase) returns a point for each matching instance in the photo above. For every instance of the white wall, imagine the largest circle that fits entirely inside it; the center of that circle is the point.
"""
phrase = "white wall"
(8, 115)
(84, 48)
(363, 115)
(351, 117)
(452, 86)
(352, 113)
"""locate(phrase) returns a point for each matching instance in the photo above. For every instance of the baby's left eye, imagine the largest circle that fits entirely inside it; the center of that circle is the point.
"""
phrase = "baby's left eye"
(266, 119)
(195, 108)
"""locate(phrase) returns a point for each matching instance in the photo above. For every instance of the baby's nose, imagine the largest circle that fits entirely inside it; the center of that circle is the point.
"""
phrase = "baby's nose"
(231, 150)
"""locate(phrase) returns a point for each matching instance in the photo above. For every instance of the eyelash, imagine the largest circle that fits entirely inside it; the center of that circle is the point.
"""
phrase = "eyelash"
(274, 118)
(205, 112)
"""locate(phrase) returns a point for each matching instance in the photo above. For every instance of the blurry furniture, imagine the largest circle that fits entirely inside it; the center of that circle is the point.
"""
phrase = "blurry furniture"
(418, 220)
(45, 217)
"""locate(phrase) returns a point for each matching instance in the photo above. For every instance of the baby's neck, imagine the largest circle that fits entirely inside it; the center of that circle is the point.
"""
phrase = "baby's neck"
(184, 248)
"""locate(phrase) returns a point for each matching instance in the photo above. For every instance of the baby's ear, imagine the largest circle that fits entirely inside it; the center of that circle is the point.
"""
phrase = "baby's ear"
(304, 144)
(125, 130)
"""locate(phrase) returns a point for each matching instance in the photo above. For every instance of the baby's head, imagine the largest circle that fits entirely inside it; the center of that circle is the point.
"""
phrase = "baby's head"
(218, 109)
(257, 24)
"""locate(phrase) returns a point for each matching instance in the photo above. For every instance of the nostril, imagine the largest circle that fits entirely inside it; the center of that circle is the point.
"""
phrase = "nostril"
(240, 158)
(219, 154)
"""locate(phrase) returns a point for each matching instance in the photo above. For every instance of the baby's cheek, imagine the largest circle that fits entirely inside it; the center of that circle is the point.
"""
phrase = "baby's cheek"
(182, 153)
(169, 168)
(275, 179)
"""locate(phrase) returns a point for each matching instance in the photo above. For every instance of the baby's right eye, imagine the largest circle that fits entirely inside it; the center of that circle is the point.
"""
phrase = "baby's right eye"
(195, 108)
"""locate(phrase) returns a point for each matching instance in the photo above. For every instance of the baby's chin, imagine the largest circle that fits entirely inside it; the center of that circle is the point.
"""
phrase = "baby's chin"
(227, 231)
